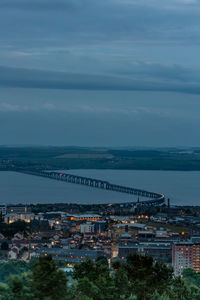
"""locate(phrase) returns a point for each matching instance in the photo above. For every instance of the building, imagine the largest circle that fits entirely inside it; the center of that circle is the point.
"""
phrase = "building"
(159, 251)
(185, 255)
(71, 256)
(146, 235)
(88, 227)
(99, 226)
(3, 209)
(13, 217)
(19, 208)
(132, 227)
(86, 217)
(13, 253)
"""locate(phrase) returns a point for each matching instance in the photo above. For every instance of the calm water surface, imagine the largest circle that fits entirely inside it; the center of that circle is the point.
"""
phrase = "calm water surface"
(182, 187)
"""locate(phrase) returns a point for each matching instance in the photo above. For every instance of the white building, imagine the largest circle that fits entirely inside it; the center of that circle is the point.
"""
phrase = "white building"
(87, 228)
(13, 253)
(10, 218)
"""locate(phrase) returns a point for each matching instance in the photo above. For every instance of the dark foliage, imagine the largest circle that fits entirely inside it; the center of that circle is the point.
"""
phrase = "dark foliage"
(140, 278)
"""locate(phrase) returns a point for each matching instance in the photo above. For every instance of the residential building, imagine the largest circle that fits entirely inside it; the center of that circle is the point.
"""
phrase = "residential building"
(13, 217)
(185, 255)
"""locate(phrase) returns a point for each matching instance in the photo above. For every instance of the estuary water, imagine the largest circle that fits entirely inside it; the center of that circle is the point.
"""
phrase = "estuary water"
(183, 188)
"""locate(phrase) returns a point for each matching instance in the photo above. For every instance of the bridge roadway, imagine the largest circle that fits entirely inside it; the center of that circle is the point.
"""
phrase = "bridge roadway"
(154, 198)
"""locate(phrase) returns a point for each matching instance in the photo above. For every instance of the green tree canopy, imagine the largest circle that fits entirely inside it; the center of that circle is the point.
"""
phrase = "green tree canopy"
(146, 277)
(48, 281)
(140, 278)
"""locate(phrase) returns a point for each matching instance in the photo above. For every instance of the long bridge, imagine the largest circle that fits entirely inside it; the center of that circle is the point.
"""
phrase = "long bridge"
(153, 198)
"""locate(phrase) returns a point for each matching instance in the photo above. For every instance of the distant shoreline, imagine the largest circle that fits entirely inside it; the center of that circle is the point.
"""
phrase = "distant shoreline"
(55, 158)
(112, 169)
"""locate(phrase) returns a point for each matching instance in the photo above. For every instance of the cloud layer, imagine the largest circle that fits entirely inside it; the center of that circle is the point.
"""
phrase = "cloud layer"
(139, 78)
(117, 72)
(108, 44)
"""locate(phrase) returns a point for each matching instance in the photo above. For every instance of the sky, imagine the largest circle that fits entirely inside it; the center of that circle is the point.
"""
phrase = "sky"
(100, 73)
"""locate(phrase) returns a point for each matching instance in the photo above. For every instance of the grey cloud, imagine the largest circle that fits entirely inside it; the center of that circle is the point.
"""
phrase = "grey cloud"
(81, 109)
(103, 21)
(144, 70)
(24, 78)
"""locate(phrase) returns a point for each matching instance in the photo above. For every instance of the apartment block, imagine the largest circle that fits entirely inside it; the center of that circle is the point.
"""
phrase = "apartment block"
(185, 255)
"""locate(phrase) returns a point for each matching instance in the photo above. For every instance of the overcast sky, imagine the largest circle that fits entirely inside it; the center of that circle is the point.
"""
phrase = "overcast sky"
(100, 72)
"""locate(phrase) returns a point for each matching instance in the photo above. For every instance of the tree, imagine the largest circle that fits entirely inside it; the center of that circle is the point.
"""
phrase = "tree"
(4, 292)
(164, 296)
(122, 286)
(102, 260)
(12, 267)
(75, 294)
(146, 277)
(179, 290)
(87, 288)
(194, 293)
(20, 287)
(48, 282)
(90, 269)
(191, 278)
(139, 278)
(98, 277)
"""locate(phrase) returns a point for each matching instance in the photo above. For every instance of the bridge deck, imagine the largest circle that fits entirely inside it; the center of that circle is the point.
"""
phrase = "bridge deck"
(154, 198)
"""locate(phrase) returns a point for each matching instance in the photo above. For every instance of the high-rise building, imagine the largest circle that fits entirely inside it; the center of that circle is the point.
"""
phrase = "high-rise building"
(185, 255)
